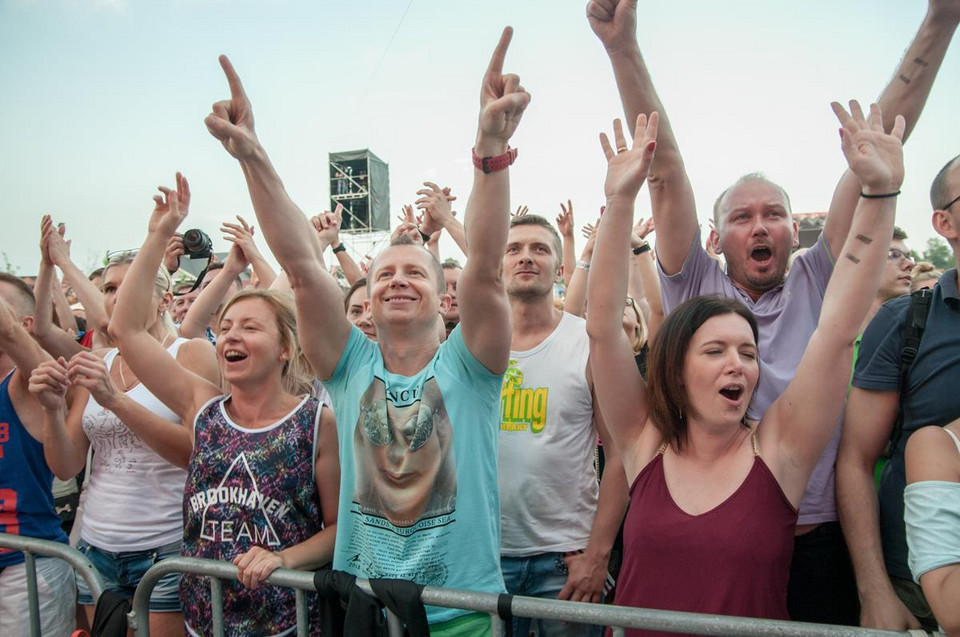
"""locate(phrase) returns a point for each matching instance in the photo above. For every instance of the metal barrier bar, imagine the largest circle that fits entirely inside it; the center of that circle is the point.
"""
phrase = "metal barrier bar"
(617, 617)
(33, 599)
(31, 547)
(137, 619)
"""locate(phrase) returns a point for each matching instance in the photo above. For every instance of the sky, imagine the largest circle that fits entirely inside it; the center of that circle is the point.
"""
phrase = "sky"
(101, 101)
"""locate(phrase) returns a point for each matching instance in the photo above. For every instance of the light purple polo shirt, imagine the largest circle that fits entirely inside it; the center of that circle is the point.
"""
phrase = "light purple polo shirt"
(786, 316)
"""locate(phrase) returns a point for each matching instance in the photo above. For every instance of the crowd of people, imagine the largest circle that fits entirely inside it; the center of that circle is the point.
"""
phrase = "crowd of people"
(691, 427)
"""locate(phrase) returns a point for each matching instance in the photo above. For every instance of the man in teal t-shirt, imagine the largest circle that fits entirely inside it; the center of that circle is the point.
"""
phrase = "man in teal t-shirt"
(417, 421)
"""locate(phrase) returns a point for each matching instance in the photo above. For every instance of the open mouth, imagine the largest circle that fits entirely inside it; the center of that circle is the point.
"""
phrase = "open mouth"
(732, 393)
(761, 254)
(232, 356)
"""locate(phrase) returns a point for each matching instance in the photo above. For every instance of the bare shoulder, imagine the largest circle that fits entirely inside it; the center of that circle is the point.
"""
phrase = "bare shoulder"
(932, 455)
(199, 356)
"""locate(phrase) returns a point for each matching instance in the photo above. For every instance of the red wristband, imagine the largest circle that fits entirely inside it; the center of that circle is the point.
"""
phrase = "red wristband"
(493, 164)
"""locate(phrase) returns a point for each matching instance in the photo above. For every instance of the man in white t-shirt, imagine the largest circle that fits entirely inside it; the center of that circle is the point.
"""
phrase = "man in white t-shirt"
(557, 526)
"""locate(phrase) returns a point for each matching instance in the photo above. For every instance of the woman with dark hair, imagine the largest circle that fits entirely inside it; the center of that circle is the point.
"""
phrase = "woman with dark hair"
(357, 311)
(709, 486)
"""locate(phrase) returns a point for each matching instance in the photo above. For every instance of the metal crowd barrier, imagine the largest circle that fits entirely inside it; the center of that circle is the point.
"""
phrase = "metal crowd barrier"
(617, 617)
(31, 547)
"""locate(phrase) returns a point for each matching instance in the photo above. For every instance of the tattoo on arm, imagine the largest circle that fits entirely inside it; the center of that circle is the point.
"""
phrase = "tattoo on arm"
(853, 258)
(904, 79)
(865, 239)
(920, 61)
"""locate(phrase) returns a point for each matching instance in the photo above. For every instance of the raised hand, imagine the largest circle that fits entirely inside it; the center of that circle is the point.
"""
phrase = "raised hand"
(640, 231)
(565, 220)
(521, 210)
(408, 226)
(874, 156)
(365, 264)
(502, 102)
(241, 235)
(54, 248)
(327, 226)
(49, 383)
(231, 121)
(90, 371)
(167, 213)
(175, 250)
(627, 167)
(435, 204)
(589, 233)
(614, 22)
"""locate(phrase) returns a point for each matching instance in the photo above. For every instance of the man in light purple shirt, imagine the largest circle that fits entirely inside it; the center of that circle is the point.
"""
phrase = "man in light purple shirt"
(755, 232)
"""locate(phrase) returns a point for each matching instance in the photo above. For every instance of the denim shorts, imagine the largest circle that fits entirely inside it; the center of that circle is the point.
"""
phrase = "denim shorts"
(121, 572)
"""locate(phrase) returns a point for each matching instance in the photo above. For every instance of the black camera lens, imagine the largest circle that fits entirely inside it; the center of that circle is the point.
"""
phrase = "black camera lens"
(197, 244)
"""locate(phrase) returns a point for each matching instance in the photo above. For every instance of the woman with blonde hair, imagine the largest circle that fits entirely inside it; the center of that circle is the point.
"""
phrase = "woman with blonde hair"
(140, 446)
(263, 481)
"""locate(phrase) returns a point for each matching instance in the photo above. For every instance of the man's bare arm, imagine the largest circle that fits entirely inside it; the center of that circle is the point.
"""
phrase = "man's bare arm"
(674, 207)
(867, 423)
(906, 95)
(484, 309)
(324, 329)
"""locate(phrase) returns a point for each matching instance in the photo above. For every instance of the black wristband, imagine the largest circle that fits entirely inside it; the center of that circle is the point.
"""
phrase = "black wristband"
(424, 236)
(886, 195)
(642, 248)
(340, 248)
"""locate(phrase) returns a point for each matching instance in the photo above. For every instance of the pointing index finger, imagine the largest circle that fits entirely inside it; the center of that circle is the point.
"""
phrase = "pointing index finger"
(236, 87)
(500, 53)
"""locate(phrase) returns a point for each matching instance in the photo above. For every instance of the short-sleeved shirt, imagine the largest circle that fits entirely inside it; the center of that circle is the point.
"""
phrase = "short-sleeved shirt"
(786, 317)
(931, 396)
(418, 469)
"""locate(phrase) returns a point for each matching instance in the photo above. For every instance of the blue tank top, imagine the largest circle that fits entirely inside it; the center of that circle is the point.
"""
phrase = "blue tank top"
(26, 483)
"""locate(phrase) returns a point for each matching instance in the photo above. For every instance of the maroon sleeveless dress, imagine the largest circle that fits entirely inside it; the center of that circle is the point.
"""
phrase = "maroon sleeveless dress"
(731, 560)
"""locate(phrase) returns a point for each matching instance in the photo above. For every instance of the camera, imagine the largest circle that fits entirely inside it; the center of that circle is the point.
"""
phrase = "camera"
(197, 244)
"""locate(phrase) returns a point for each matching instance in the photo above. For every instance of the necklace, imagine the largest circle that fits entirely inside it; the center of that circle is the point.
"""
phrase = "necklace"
(123, 381)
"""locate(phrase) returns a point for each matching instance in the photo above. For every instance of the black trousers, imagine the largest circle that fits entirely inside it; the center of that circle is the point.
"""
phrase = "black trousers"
(822, 587)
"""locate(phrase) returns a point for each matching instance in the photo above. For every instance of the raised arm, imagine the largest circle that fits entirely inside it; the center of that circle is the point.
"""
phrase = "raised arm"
(58, 251)
(351, 271)
(644, 284)
(183, 391)
(323, 328)
(52, 337)
(906, 94)
(565, 226)
(484, 309)
(241, 234)
(575, 299)
(437, 214)
(674, 207)
(611, 358)
(203, 311)
(801, 421)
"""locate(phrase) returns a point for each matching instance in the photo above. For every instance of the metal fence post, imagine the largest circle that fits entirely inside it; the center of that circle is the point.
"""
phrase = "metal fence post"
(32, 547)
(33, 600)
